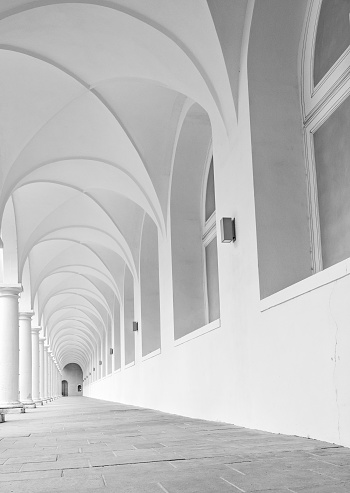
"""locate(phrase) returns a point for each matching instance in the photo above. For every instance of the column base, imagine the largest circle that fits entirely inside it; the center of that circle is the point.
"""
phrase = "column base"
(12, 410)
(30, 405)
(38, 402)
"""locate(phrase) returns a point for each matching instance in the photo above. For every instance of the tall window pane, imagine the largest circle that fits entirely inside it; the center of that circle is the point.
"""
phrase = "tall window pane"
(211, 261)
(332, 157)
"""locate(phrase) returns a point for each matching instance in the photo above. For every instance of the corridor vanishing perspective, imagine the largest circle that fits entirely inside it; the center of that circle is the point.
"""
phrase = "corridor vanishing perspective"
(79, 445)
(175, 238)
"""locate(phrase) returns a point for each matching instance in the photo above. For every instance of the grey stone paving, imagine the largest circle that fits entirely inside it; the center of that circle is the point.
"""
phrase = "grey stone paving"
(76, 444)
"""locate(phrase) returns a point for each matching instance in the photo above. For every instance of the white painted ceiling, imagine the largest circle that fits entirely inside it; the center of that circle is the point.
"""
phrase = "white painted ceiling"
(91, 99)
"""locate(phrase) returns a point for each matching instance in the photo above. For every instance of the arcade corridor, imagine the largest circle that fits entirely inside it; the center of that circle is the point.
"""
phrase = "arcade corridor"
(77, 444)
(175, 236)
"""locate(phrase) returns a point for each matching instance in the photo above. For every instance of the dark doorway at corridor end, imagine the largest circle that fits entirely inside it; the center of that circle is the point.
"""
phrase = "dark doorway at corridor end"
(64, 388)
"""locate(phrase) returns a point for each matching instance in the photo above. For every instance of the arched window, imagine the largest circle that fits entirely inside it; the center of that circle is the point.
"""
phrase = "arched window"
(210, 246)
(149, 278)
(326, 107)
(129, 318)
(186, 210)
(117, 345)
(278, 158)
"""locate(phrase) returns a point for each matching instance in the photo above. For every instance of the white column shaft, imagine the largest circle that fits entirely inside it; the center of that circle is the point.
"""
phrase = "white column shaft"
(9, 346)
(25, 358)
(41, 367)
(46, 390)
(35, 365)
(49, 383)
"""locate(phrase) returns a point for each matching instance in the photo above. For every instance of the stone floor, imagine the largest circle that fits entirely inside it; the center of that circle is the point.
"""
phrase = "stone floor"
(76, 444)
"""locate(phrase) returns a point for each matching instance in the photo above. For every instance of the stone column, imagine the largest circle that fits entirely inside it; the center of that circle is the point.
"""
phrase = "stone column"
(59, 382)
(53, 377)
(54, 380)
(58, 392)
(46, 376)
(36, 366)
(9, 348)
(25, 359)
(49, 374)
(41, 368)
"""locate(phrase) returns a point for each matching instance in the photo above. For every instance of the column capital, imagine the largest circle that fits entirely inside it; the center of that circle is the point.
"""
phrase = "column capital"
(10, 289)
(42, 340)
(36, 330)
(25, 315)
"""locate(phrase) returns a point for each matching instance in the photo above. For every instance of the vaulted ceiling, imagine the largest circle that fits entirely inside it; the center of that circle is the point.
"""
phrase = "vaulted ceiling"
(92, 96)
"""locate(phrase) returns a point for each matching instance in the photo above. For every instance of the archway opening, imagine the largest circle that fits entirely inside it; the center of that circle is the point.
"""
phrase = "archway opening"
(73, 376)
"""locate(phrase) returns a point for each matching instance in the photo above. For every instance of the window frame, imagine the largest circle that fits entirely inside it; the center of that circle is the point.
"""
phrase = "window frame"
(318, 103)
(209, 230)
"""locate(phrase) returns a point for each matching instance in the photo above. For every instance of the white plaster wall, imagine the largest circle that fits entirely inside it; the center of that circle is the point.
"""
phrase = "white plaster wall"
(281, 364)
(287, 374)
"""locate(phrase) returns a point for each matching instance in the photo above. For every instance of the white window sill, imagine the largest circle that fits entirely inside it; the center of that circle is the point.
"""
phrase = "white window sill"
(322, 278)
(104, 378)
(198, 332)
(151, 355)
(129, 365)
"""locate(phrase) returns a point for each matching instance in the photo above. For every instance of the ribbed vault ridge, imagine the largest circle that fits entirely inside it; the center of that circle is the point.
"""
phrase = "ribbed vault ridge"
(93, 97)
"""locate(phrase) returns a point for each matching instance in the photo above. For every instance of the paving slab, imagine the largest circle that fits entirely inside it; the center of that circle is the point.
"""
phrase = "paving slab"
(76, 444)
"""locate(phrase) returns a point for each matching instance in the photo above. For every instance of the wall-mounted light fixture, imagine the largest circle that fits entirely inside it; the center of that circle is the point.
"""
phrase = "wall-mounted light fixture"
(228, 230)
(93, 369)
(111, 350)
(135, 326)
(100, 362)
